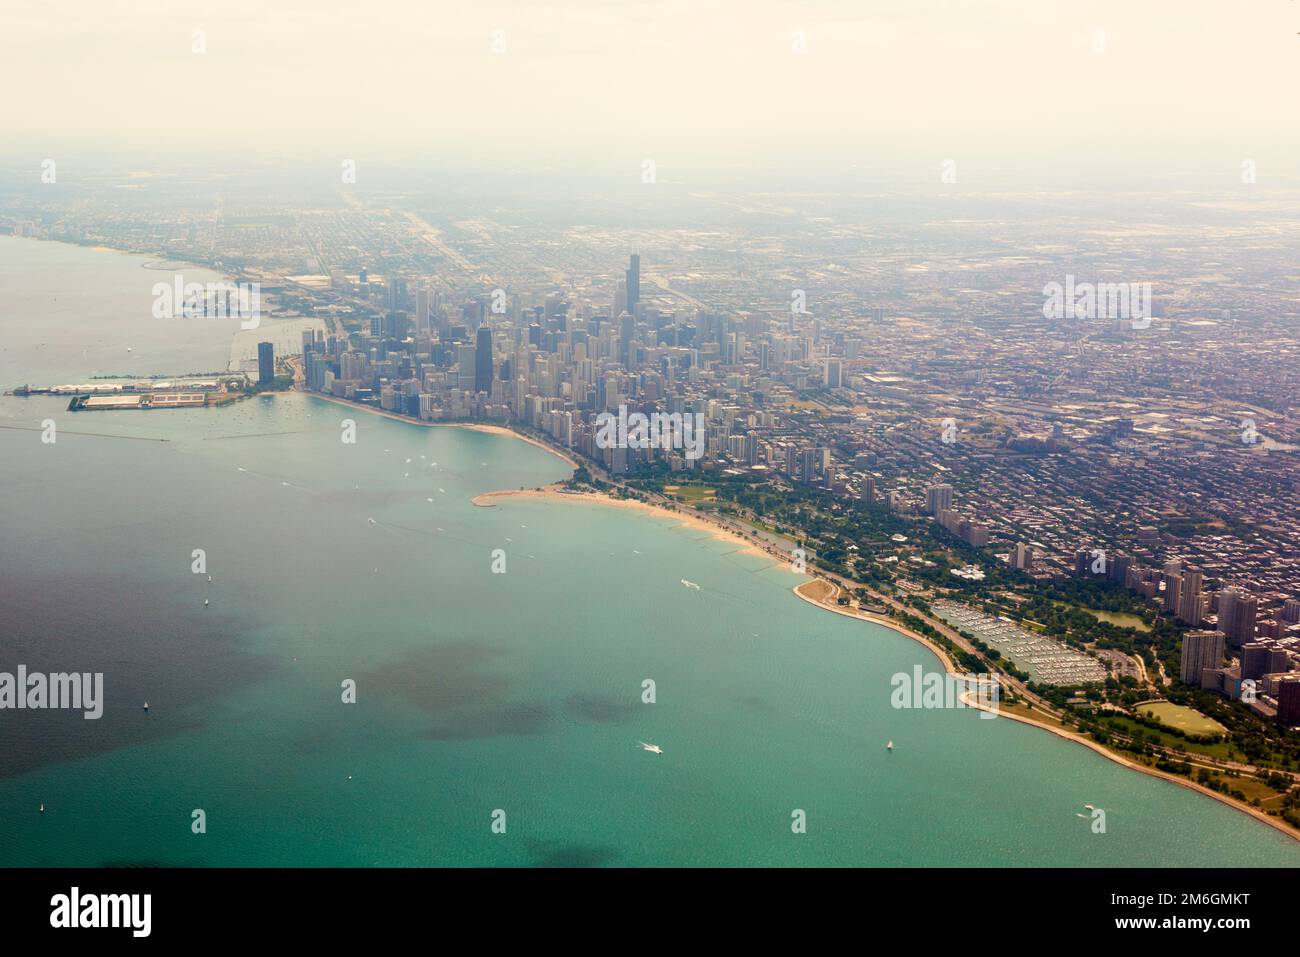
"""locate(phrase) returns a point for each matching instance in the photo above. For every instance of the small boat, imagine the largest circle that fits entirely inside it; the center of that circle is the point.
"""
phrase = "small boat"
(205, 603)
(689, 584)
(652, 748)
(146, 706)
(1090, 807)
(889, 746)
(209, 579)
(42, 808)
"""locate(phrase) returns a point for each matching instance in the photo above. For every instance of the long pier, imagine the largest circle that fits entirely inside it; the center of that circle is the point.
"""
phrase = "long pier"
(179, 392)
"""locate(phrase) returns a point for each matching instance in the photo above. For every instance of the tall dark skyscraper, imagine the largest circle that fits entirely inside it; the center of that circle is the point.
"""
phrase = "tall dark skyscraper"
(626, 335)
(483, 360)
(634, 283)
(265, 363)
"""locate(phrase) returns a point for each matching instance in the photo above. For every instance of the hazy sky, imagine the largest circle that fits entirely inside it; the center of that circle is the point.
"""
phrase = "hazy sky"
(952, 77)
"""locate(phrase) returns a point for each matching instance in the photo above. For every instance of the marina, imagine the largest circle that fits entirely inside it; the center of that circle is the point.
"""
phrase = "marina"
(1046, 659)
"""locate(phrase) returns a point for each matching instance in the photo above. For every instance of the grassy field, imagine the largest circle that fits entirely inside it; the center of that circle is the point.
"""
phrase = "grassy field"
(1123, 725)
(1184, 719)
(690, 494)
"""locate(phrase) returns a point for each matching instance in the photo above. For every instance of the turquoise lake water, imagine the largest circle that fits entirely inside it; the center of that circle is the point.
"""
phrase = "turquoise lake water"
(476, 692)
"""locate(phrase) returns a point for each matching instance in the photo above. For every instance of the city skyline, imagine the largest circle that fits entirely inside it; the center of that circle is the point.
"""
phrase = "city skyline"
(649, 434)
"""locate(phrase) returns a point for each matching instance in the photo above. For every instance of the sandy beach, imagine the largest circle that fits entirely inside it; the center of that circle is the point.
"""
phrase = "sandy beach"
(556, 493)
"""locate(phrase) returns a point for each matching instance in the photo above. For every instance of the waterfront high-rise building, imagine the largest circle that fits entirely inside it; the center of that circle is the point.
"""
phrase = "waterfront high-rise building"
(1237, 613)
(483, 360)
(265, 363)
(1022, 557)
(1260, 658)
(423, 311)
(1173, 590)
(466, 366)
(1202, 650)
(1288, 701)
(1189, 598)
(808, 459)
(627, 339)
(1082, 563)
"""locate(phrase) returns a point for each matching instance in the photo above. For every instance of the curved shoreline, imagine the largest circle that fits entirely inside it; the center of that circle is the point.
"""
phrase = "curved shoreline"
(470, 426)
(554, 493)
(1275, 823)
(1119, 759)
(940, 653)
(944, 659)
(691, 520)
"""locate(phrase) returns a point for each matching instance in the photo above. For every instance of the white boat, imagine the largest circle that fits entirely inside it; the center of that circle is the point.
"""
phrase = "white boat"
(146, 706)
(652, 748)
(42, 808)
(205, 602)
(689, 584)
(1090, 807)
(889, 746)
(209, 578)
